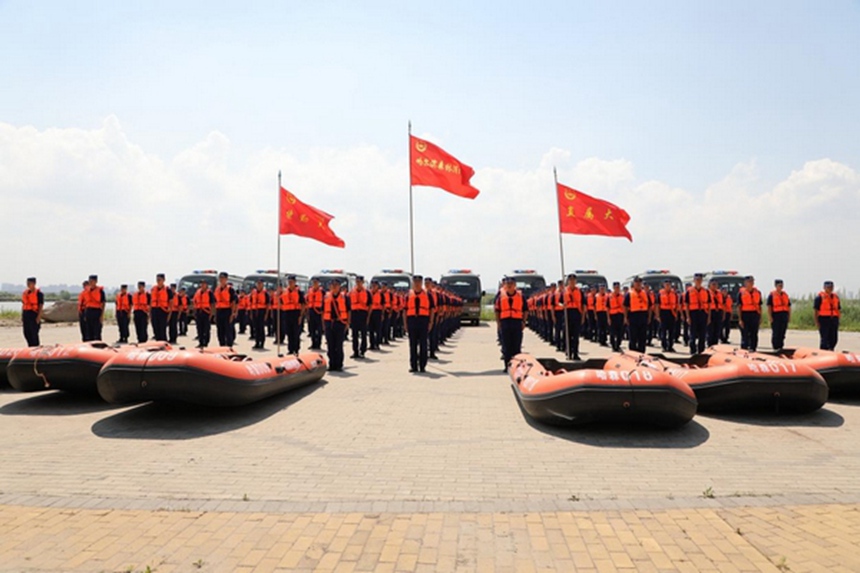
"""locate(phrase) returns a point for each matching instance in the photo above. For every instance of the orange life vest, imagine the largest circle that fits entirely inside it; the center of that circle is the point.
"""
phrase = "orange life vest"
(290, 300)
(698, 299)
(616, 303)
(780, 302)
(314, 298)
(82, 300)
(201, 304)
(376, 301)
(511, 305)
(397, 302)
(716, 300)
(386, 300)
(30, 300)
(140, 301)
(727, 304)
(341, 307)
(668, 300)
(573, 298)
(638, 301)
(359, 299)
(600, 304)
(159, 298)
(259, 300)
(123, 302)
(750, 300)
(418, 304)
(589, 301)
(829, 304)
(93, 297)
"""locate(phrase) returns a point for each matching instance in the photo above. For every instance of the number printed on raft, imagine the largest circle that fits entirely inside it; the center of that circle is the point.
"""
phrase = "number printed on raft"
(772, 366)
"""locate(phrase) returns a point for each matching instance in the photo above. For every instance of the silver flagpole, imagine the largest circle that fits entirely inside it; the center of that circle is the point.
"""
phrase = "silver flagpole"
(563, 276)
(277, 301)
(411, 223)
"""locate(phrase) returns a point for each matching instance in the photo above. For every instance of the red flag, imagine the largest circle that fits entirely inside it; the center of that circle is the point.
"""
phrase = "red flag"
(581, 214)
(297, 218)
(430, 165)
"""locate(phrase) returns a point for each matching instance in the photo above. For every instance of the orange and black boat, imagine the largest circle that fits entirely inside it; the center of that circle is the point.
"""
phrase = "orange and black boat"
(574, 393)
(738, 381)
(206, 379)
(6, 355)
(69, 367)
(841, 370)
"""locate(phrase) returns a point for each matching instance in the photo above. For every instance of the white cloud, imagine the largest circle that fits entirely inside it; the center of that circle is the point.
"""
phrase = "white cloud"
(80, 201)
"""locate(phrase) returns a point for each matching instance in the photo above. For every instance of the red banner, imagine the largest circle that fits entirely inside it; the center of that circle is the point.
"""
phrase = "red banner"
(297, 218)
(430, 165)
(581, 214)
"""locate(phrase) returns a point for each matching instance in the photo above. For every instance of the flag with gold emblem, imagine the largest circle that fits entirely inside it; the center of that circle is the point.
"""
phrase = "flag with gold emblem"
(297, 218)
(581, 214)
(432, 166)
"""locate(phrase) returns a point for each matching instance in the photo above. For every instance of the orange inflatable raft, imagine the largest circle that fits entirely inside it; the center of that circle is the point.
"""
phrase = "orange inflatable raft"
(574, 393)
(207, 379)
(737, 381)
(69, 367)
(6, 355)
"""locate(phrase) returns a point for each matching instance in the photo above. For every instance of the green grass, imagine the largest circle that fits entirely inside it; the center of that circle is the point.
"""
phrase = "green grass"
(10, 315)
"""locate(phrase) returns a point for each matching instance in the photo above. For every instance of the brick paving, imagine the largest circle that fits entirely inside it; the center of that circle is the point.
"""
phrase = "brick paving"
(378, 470)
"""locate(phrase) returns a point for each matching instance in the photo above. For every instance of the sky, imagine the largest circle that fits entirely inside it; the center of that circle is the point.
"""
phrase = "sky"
(146, 137)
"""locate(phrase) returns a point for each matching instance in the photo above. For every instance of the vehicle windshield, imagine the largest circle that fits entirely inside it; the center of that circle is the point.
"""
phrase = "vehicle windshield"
(734, 284)
(586, 281)
(397, 282)
(191, 282)
(468, 288)
(325, 279)
(530, 284)
(656, 282)
(270, 282)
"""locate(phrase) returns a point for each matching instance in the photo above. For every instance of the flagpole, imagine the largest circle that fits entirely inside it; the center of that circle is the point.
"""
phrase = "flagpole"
(411, 223)
(277, 301)
(563, 276)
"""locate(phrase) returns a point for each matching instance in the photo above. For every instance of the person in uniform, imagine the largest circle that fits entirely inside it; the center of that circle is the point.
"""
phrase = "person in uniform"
(590, 332)
(314, 301)
(557, 303)
(82, 310)
(617, 317)
(32, 302)
(292, 305)
(335, 321)
(715, 322)
(387, 312)
(697, 299)
(779, 312)
(685, 315)
(653, 316)
(433, 330)
(749, 301)
(828, 309)
(727, 315)
(140, 302)
(123, 313)
(376, 309)
(601, 312)
(173, 315)
(511, 315)
(419, 313)
(95, 308)
(226, 307)
(161, 299)
(184, 316)
(574, 306)
(242, 308)
(204, 314)
(667, 303)
(259, 309)
(359, 317)
(637, 305)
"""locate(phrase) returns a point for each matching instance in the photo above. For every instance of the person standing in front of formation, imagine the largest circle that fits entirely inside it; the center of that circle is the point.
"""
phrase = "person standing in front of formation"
(314, 301)
(359, 317)
(779, 312)
(226, 307)
(727, 315)
(387, 313)
(204, 309)
(749, 301)
(140, 302)
(698, 302)
(95, 311)
(601, 311)
(122, 312)
(259, 308)
(376, 309)
(617, 317)
(335, 321)
(511, 314)
(828, 309)
(419, 313)
(292, 304)
(82, 310)
(667, 303)
(242, 309)
(574, 315)
(715, 322)
(638, 309)
(32, 302)
(433, 331)
(160, 300)
(557, 302)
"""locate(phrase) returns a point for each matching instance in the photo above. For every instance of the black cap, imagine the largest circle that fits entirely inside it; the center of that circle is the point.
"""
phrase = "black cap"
(141, 283)
(571, 276)
(384, 283)
(291, 277)
(172, 285)
(333, 282)
(828, 283)
(637, 279)
(778, 282)
(159, 276)
(616, 284)
(315, 280)
(698, 276)
(749, 278)
(223, 274)
(31, 279)
(123, 286)
(94, 277)
(667, 281)
(374, 282)
(359, 277)
(510, 280)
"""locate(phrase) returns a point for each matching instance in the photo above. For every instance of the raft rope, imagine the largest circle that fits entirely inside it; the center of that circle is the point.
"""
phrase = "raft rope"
(45, 350)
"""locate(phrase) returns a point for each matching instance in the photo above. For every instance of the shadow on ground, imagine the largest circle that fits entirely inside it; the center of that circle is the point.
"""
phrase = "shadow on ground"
(166, 421)
(822, 418)
(56, 403)
(606, 435)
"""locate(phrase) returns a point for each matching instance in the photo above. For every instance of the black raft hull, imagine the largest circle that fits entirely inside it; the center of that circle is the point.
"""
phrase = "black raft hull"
(663, 407)
(121, 385)
(71, 375)
(772, 394)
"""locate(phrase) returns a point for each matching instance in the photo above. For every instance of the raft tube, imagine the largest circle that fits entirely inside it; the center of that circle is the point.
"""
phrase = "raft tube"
(577, 393)
(205, 379)
(841, 370)
(6, 355)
